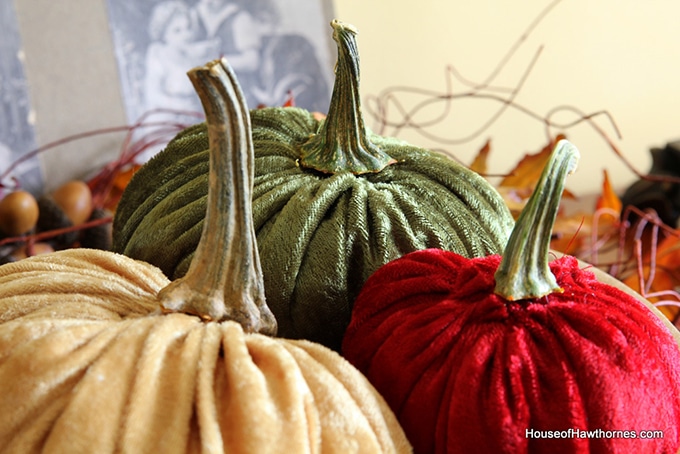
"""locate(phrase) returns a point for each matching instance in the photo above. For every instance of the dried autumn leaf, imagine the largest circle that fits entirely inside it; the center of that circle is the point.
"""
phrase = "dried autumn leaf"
(608, 199)
(290, 100)
(119, 183)
(528, 170)
(578, 234)
(607, 210)
(479, 164)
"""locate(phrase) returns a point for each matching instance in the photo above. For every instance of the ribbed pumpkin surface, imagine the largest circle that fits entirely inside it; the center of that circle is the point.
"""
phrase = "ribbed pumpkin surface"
(466, 371)
(320, 236)
(516, 353)
(332, 202)
(86, 366)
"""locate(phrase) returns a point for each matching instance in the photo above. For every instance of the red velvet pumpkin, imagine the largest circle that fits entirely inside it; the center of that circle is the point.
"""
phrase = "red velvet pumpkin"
(504, 355)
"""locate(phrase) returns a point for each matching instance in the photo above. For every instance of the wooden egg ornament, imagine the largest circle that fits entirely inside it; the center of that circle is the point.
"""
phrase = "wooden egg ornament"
(68, 205)
(75, 199)
(476, 355)
(100, 353)
(331, 203)
(18, 213)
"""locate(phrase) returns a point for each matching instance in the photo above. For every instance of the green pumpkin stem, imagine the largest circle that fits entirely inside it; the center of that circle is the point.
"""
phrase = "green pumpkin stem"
(342, 143)
(524, 272)
(224, 280)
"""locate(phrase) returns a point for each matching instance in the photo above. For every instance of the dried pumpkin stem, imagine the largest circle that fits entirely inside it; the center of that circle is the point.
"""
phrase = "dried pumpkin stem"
(524, 271)
(224, 280)
(342, 143)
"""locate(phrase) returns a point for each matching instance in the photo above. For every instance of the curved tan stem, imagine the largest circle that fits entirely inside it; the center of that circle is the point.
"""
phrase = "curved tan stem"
(224, 280)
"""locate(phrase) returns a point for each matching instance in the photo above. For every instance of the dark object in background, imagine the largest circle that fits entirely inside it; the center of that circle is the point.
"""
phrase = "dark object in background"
(661, 196)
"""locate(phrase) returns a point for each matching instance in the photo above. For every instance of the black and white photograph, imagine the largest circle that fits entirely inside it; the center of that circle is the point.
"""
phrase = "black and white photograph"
(17, 136)
(278, 51)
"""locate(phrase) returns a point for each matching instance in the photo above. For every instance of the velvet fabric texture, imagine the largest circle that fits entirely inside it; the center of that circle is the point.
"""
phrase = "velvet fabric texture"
(320, 236)
(89, 365)
(466, 371)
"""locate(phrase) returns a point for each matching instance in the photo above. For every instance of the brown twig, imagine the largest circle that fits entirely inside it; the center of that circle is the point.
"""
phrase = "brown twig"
(56, 232)
(143, 122)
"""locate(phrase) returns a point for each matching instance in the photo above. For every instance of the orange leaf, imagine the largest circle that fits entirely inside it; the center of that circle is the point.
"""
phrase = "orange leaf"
(527, 172)
(608, 199)
(479, 163)
(119, 183)
(529, 169)
(290, 100)
(123, 177)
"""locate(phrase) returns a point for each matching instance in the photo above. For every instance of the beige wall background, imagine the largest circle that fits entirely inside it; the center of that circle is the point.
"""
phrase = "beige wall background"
(622, 56)
(73, 82)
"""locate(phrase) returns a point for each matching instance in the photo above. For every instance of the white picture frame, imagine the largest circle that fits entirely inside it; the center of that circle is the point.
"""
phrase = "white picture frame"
(278, 50)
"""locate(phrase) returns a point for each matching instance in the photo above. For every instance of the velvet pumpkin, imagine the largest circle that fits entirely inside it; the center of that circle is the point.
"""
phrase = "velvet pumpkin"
(506, 354)
(331, 203)
(101, 353)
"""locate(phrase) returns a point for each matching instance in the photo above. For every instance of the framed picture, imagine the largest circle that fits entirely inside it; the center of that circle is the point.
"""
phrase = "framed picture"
(17, 136)
(279, 50)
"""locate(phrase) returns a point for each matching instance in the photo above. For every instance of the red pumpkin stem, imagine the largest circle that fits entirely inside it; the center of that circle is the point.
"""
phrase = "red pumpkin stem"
(342, 143)
(224, 280)
(524, 272)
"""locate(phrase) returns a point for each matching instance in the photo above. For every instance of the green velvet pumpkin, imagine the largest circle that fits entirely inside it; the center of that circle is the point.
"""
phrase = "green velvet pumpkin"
(332, 202)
